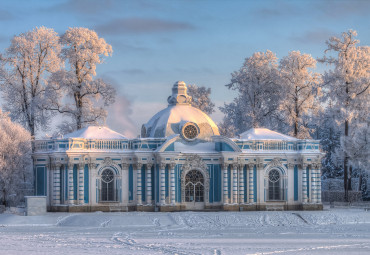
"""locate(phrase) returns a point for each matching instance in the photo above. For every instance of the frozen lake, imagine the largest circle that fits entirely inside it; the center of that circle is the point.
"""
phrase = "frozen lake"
(335, 231)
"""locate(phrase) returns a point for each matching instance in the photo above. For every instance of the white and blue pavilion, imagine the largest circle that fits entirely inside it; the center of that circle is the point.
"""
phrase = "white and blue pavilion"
(180, 162)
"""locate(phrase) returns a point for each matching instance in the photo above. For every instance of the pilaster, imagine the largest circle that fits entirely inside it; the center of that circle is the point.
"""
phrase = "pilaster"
(251, 183)
(149, 184)
(162, 183)
(235, 183)
(138, 174)
(225, 183)
(241, 184)
(172, 183)
(71, 199)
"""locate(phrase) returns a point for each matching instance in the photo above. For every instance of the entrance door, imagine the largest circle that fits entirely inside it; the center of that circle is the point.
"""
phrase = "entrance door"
(194, 190)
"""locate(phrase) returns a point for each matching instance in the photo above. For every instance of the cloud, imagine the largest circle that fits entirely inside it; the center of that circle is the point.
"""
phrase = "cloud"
(318, 36)
(141, 26)
(128, 47)
(340, 9)
(82, 6)
(278, 9)
(5, 15)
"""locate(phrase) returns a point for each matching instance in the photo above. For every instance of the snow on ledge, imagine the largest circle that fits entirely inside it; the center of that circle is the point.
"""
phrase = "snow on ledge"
(264, 134)
(95, 132)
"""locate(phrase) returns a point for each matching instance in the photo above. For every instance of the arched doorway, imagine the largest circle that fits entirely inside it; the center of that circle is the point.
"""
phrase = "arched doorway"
(107, 186)
(194, 190)
(275, 191)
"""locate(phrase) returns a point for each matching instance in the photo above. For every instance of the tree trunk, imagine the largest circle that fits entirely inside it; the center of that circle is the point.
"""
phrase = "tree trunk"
(345, 165)
(347, 169)
(4, 197)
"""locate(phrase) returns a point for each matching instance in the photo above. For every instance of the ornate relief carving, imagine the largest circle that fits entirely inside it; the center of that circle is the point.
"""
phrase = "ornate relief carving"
(92, 165)
(251, 165)
(108, 161)
(172, 165)
(149, 166)
(275, 163)
(162, 165)
(194, 162)
(81, 166)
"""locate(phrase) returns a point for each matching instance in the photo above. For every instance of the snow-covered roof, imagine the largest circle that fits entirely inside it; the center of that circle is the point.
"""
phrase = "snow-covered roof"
(95, 132)
(264, 134)
(169, 121)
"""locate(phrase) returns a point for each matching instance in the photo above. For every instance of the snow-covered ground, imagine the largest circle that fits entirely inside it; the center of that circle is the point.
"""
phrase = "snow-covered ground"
(332, 231)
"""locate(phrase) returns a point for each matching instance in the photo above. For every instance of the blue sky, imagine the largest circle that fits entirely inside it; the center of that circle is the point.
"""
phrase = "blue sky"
(156, 43)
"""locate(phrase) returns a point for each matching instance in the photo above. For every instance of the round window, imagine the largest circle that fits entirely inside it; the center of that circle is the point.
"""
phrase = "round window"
(107, 176)
(274, 175)
(190, 131)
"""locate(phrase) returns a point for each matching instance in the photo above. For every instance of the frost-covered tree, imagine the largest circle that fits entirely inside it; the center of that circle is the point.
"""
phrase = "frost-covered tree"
(83, 50)
(300, 89)
(226, 128)
(15, 161)
(258, 93)
(329, 134)
(348, 87)
(26, 65)
(201, 98)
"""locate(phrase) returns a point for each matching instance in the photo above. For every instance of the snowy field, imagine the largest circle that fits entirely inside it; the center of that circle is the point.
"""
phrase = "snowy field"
(334, 231)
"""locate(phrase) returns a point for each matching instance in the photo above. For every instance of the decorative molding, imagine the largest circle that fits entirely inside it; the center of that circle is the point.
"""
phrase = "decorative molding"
(277, 164)
(172, 165)
(81, 166)
(149, 166)
(162, 165)
(235, 165)
(251, 165)
(92, 166)
(108, 161)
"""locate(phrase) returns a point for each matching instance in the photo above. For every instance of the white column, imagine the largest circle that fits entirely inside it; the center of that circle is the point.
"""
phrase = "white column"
(125, 185)
(290, 183)
(70, 185)
(80, 184)
(251, 183)
(162, 184)
(56, 185)
(149, 184)
(138, 176)
(315, 183)
(235, 183)
(225, 181)
(241, 184)
(304, 184)
(319, 183)
(172, 184)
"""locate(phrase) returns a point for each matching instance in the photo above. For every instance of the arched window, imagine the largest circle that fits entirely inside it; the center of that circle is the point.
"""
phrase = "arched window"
(194, 186)
(107, 186)
(275, 187)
